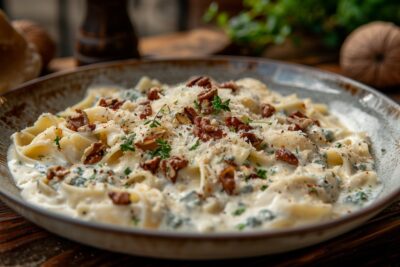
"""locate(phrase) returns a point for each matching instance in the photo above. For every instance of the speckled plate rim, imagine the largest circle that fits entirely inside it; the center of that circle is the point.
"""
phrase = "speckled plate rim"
(372, 208)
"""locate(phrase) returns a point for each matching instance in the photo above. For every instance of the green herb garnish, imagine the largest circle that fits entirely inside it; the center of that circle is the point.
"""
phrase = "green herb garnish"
(240, 226)
(247, 120)
(128, 143)
(339, 145)
(162, 150)
(127, 171)
(358, 198)
(152, 123)
(196, 105)
(239, 211)
(79, 171)
(218, 105)
(57, 141)
(135, 221)
(261, 173)
(195, 146)
(264, 187)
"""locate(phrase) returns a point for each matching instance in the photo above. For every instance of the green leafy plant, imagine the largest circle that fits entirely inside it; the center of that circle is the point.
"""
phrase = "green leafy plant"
(264, 22)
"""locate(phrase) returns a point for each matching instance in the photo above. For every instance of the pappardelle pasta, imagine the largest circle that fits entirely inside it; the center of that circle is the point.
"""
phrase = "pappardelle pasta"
(198, 156)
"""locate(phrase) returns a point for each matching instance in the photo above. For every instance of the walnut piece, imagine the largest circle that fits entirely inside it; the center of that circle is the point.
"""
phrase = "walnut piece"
(286, 156)
(94, 153)
(170, 167)
(205, 131)
(57, 171)
(120, 198)
(227, 179)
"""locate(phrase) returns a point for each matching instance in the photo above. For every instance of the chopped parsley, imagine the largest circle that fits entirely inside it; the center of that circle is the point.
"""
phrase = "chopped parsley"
(261, 173)
(339, 145)
(162, 150)
(196, 105)
(57, 141)
(247, 120)
(240, 226)
(127, 171)
(218, 105)
(135, 220)
(79, 171)
(264, 187)
(152, 123)
(239, 211)
(358, 198)
(127, 145)
(195, 146)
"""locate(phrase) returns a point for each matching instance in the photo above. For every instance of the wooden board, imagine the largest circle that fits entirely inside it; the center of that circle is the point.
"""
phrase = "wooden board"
(373, 244)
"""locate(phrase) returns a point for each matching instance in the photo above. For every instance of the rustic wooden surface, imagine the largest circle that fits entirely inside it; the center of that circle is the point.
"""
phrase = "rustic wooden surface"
(376, 243)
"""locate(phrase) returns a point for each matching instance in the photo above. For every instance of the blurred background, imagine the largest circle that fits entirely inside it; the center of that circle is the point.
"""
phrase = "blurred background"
(327, 34)
(62, 18)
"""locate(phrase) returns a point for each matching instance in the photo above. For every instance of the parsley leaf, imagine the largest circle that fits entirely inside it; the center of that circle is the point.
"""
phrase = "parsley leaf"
(240, 226)
(153, 123)
(196, 105)
(247, 120)
(195, 146)
(261, 173)
(57, 141)
(127, 171)
(218, 105)
(162, 150)
(264, 187)
(239, 211)
(128, 143)
(135, 220)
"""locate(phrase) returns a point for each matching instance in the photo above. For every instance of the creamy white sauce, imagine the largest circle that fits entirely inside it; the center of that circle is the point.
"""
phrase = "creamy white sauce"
(334, 175)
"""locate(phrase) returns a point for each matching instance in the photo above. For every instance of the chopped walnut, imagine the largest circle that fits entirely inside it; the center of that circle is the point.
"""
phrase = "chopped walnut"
(153, 93)
(147, 111)
(205, 131)
(151, 164)
(208, 95)
(94, 153)
(229, 85)
(200, 81)
(78, 120)
(237, 124)
(286, 156)
(182, 118)
(57, 171)
(252, 139)
(111, 103)
(149, 142)
(227, 179)
(190, 113)
(267, 110)
(300, 121)
(170, 167)
(120, 198)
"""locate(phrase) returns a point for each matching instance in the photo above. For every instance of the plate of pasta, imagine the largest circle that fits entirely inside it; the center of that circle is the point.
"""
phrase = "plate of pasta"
(198, 159)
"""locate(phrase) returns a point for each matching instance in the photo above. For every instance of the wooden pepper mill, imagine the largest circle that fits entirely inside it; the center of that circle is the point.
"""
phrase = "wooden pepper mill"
(106, 33)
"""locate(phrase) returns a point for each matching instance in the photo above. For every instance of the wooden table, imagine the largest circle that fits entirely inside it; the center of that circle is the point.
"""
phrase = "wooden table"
(376, 243)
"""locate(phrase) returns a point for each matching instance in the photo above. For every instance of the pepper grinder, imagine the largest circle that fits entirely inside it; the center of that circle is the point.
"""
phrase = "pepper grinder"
(106, 33)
